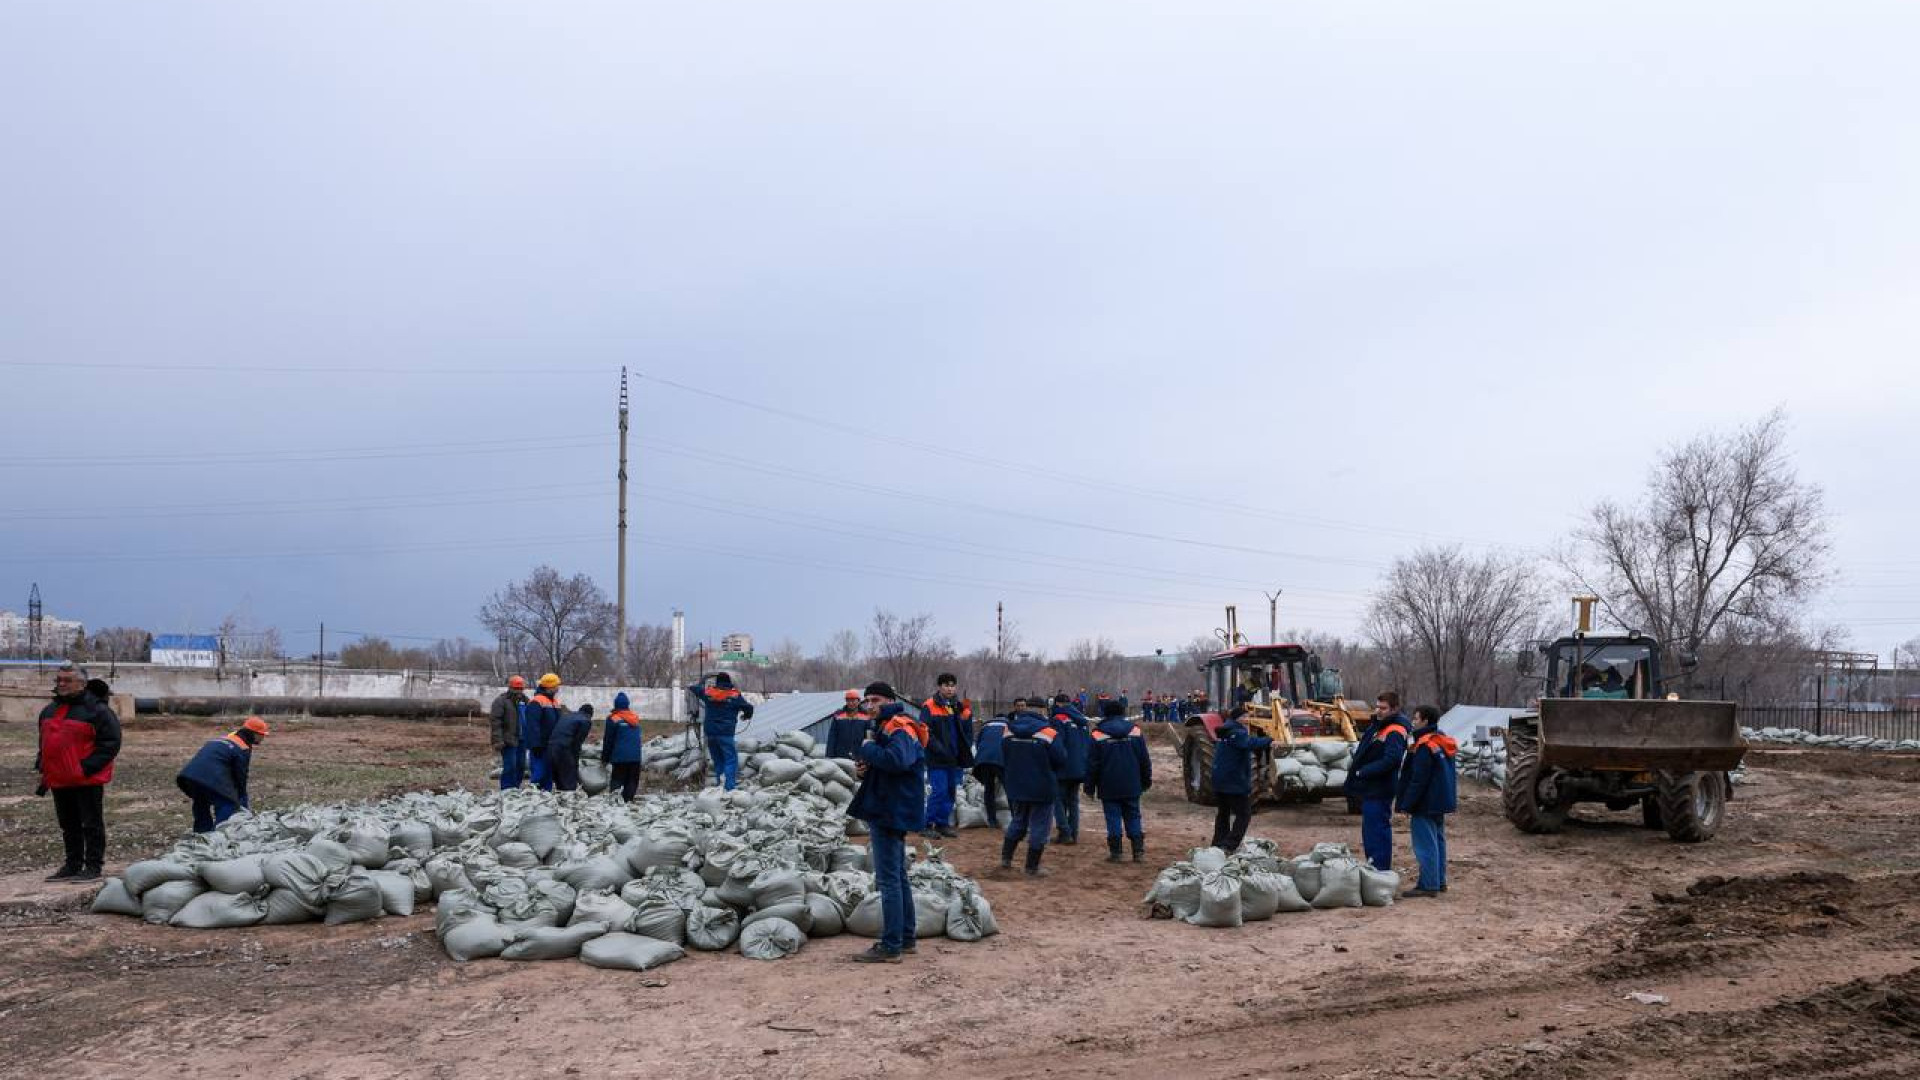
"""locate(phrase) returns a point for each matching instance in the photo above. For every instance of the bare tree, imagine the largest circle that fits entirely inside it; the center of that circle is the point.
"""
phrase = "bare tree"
(1456, 618)
(1725, 539)
(122, 643)
(564, 623)
(1093, 663)
(650, 654)
(907, 650)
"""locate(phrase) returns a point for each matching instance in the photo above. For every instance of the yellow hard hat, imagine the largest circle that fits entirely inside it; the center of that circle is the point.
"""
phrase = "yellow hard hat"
(549, 681)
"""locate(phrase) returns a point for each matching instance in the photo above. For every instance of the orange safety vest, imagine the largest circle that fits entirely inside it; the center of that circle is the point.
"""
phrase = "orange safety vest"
(907, 724)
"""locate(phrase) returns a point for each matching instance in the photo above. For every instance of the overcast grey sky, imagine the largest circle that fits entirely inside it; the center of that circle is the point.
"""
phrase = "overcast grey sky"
(317, 314)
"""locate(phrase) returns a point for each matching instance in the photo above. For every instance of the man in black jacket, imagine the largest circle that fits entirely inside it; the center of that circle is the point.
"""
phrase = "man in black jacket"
(79, 738)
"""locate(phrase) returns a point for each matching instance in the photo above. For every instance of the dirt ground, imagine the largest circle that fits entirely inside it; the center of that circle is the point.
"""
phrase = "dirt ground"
(1787, 947)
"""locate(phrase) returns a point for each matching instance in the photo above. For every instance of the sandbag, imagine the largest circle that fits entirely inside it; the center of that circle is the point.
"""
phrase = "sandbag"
(660, 919)
(780, 771)
(473, 936)
(594, 777)
(551, 942)
(1177, 889)
(1288, 896)
(114, 899)
(1306, 877)
(600, 872)
(542, 831)
(1207, 860)
(712, 928)
(356, 898)
(1260, 895)
(242, 875)
(601, 906)
(1286, 767)
(826, 917)
(847, 857)
(446, 875)
(970, 917)
(396, 891)
(1339, 884)
(517, 855)
(867, 919)
(413, 837)
(1378, 887)
(1336, 778)
(629, 952)
(1314, 777)
(929, 914)
(646, 852)
(366, 842)
(302, 873)
(1326, 753)
(284, 907)
(331, 853)
(219, 911)
(1219, 902)
(774, 888)
(771, 939)
(159, 904)
(148, 873)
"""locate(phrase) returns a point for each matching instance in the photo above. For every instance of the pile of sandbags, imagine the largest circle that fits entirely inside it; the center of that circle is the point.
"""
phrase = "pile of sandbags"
(793, 758)
(1212, 888)
(970, 805)
(1485, 762)
(1799, 737)
(1315, 766)
(533, 875)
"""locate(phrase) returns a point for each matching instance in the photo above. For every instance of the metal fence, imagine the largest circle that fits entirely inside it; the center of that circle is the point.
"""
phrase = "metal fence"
(1900, 723)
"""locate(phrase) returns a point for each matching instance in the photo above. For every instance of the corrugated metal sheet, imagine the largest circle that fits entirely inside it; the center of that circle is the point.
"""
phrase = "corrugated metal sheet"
(1463, 722)
(808, 712)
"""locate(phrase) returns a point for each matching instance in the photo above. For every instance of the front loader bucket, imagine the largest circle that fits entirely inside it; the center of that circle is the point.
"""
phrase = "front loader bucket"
(1640, 735)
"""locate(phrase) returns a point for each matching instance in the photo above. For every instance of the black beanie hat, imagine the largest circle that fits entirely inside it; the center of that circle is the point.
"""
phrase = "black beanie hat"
(723, 680)
(880, 689)
(1110, 707)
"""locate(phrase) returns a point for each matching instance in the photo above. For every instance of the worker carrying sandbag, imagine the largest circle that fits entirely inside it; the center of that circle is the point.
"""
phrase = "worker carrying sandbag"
(621, 747)
(892, 800)
(1034, 755)
(1071, 728)
(848, 729)
(216, 778)
(1119, 770)
(722, 708)
(542, 713)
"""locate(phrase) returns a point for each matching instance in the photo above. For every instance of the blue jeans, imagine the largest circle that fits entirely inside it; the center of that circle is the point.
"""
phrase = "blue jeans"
(210, 809)
(726, 760)
(1430, 850)
(1123, 812)
(1376, 832)
(1066, 812)
(942, 784)
(1030, 821)
(513, 767)
(888, 848)
(537, 770)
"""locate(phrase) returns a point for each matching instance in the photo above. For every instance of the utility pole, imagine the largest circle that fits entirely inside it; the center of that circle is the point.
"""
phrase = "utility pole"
(677, 706)
(620, 643)
(1000, 630)
(322, 692)
(1273, 616)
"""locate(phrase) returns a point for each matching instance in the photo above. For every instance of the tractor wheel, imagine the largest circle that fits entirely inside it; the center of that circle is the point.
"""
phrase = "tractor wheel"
(1196, 765)
(1522, 791)
(1650, 813)
(1691, 805)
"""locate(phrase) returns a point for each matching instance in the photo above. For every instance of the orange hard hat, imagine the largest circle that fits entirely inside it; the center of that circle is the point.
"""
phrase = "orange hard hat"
(255, 725)
(516, 683)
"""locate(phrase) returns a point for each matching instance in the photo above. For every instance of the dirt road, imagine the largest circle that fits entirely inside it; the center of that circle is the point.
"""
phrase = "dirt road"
(1789, 946)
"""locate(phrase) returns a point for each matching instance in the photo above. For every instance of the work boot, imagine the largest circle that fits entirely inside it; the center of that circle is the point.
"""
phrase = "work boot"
(1007, 847)
(87, 873)
(1113, 849)
(946, 831)
(874, 954)
(65, 873)
(1139, 849)
(1034, 869)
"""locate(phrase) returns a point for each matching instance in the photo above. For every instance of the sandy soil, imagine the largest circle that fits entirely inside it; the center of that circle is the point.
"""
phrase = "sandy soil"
(1789, 946)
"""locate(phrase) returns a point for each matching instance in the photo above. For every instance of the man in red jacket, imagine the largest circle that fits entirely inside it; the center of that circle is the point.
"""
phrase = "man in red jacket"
(79, 738)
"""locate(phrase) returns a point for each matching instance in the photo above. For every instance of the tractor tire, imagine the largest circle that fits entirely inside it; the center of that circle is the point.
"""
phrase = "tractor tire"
(1196, 767)
(1521, 795)
(1692, 805)
(1650, 813)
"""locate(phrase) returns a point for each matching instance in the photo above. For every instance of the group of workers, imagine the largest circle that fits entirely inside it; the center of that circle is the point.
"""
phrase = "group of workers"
(539, 740)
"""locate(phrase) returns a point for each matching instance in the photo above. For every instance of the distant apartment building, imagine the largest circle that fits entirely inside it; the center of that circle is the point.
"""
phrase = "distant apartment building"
(56, 635)
(737, 643)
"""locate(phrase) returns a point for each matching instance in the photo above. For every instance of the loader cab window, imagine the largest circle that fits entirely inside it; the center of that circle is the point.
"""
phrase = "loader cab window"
(1587, 670)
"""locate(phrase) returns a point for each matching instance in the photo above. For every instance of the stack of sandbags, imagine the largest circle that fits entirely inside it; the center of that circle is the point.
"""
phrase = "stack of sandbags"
(1315, 766)
(533, 875)
(970, 806)
(1485, 762)
(1799, 737)
(792, 758)
(1212, 888)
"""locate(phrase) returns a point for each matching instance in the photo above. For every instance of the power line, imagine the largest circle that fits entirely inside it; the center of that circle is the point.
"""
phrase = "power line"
(317, 369)
(283, 457)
